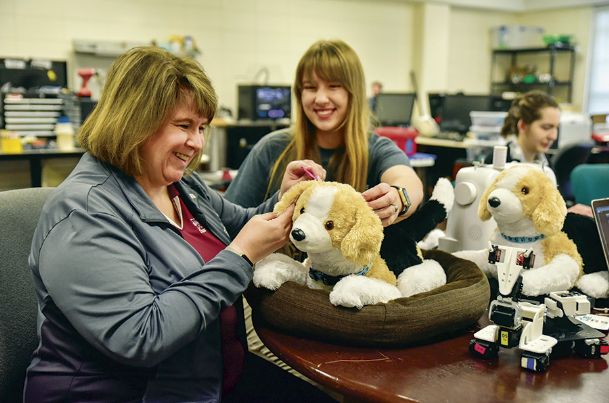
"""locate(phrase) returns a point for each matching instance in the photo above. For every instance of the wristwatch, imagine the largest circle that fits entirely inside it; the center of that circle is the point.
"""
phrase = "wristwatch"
(405, 199)
(239, 252)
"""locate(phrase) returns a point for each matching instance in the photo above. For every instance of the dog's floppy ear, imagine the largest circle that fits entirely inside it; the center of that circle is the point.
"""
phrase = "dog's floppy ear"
(549, 215)
(363, 242)
(483, 212)
(292, 195)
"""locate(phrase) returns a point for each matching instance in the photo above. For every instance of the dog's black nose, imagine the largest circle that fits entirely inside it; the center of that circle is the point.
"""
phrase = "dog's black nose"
(494, 202)
(298, 234)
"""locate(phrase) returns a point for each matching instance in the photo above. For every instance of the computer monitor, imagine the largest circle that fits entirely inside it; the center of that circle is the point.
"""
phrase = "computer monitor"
(456, 109)
(33, 73)
(500, 104)
(241, 138)
(264, 102)
(600, 212)
(394, 109)
(436, 101)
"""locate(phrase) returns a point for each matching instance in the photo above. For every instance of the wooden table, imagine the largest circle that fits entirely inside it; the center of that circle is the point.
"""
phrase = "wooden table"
(35, 158)
(443, 371)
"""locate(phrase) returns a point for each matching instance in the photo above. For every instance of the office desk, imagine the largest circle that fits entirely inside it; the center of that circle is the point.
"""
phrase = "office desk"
(447, 153)
(435, 142)
(35, 158)
(441, 371)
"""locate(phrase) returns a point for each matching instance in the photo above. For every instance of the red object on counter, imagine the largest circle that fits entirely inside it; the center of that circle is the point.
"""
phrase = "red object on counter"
(601, 138)
(402, 136)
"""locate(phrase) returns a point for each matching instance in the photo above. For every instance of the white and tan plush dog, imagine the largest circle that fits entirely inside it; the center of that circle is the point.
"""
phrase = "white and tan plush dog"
(342, 237)
(529, 212)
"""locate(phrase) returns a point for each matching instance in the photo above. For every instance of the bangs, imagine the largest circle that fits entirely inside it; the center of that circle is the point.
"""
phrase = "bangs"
(201, 104)
(328, 65)
(200, 96)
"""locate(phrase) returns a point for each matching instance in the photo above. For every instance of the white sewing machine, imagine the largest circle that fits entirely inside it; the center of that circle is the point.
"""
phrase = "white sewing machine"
(464, 229)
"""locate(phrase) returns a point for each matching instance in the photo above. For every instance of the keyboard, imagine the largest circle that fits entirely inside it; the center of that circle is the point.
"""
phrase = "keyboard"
(454, 136)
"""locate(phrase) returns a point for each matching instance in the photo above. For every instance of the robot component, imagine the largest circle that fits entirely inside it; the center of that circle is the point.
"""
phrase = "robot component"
(530, 325)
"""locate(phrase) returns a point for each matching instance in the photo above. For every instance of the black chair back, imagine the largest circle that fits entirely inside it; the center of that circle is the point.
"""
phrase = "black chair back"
(19, 212)
(564, 161)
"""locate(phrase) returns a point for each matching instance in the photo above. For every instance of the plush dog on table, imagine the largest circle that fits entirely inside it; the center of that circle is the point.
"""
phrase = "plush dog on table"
(529, 212)
(342, 237)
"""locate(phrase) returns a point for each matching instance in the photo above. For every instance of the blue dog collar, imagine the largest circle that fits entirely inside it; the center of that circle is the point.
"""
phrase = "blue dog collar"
(523, 239)
(332, 280)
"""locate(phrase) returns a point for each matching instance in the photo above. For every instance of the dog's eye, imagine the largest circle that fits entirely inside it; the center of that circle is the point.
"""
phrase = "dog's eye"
(302, 210)
(524, 190)
(329, 224)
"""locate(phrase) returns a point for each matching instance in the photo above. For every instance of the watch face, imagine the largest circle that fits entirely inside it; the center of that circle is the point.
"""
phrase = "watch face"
(404, 198)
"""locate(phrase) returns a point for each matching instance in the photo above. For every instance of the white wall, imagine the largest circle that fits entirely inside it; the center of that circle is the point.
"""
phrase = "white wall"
(469, 55)
(239, 37)
(574, 21)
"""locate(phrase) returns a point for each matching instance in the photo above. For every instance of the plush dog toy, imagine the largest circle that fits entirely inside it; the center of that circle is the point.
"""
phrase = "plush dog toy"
(529, 212)
(342, 237)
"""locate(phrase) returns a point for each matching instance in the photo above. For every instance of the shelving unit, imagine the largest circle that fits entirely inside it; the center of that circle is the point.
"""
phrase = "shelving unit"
(31, 116)
(109, 49)
(31, 97)
(555, 64)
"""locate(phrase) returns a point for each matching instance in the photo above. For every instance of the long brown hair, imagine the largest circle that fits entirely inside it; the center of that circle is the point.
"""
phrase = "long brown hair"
(526, 107)
(335, 61)
(143, 86)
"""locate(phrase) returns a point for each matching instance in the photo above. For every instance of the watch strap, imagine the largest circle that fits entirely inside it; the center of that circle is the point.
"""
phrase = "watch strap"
(404, 198)
(239, 252)
(247, 259)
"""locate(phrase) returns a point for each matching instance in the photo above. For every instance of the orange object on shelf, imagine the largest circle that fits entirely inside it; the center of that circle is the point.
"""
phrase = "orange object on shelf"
(402, 136)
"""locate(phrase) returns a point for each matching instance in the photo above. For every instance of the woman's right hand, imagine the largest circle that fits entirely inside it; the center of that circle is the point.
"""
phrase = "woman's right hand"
(298, 171)
(581, 209)
(263, 234)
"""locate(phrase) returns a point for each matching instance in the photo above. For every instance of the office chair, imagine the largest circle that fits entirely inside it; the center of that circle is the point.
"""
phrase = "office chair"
(589, 182)
(19, 212)
(564, 161)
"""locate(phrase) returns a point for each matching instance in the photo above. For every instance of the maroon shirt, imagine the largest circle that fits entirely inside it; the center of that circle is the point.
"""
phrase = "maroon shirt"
(208, 246)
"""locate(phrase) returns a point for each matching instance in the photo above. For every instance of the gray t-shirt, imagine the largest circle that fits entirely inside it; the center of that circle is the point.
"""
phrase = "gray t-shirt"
(250, 185)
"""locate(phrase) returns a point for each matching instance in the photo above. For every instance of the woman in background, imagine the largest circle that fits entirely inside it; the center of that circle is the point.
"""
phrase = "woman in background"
(531, 127)
(137, 264)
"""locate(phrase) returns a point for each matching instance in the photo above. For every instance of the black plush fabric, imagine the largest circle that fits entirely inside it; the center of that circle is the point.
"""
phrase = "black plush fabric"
(399, 247)
(582, 230)
(19, 211)
(299, 310)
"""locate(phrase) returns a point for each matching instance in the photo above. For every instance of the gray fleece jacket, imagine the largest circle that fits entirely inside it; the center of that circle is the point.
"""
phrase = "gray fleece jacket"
(129, 310)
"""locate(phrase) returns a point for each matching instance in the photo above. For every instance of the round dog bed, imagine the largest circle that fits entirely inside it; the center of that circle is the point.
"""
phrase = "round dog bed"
(302, 311)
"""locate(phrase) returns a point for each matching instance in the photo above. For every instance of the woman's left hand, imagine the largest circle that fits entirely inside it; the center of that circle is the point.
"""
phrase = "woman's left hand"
(301, 170)
(385, 201)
